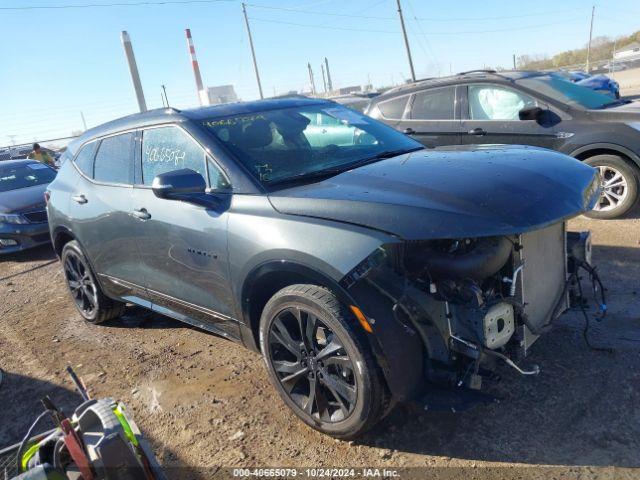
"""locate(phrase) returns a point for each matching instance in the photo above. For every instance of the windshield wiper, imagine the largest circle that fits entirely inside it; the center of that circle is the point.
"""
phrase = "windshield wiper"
(394, 153)
(303, 177)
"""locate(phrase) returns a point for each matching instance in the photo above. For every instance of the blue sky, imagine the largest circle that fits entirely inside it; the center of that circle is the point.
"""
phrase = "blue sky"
(55, 63)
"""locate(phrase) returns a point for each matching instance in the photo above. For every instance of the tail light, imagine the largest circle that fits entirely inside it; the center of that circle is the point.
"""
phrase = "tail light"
(47, 196)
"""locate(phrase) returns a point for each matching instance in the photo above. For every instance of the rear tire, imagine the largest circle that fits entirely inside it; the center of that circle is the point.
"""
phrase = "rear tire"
(90, 301)
(619, 183)
(321, 363)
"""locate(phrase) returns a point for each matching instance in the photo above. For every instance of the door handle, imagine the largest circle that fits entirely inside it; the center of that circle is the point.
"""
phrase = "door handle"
(142, 214)
(477, 131)
(81, 199)
(409, 131)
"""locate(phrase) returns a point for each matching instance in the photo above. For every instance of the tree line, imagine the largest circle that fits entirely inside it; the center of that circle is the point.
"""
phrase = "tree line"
(602, 48)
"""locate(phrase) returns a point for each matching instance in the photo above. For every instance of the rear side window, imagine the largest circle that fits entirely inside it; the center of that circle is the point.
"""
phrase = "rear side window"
(436, 104)
(169, 148)
(114, 160)
(84, 159)
(393, 109)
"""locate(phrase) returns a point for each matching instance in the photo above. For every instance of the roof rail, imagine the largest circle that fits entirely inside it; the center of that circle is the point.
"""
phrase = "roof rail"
(477, 71)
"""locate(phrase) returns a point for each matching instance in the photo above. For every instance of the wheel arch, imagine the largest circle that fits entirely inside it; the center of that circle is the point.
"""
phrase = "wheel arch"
(268, 278)
(402, 371)
(594, 149)
(61, 236)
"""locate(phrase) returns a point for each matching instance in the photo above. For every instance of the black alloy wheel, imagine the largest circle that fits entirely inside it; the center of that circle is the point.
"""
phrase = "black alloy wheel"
(91, 302)
(312, 365)
(81, 284)
(320, 361)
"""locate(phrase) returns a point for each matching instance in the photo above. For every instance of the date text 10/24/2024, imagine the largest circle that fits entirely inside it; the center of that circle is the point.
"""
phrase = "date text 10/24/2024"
(316, 472)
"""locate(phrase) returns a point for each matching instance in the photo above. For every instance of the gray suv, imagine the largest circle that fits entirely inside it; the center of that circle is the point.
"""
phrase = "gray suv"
(364, 270)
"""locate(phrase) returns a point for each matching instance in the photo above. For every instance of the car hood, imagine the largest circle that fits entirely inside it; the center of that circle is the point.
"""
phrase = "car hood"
(451, 192)
(23, 199)
(629, 112)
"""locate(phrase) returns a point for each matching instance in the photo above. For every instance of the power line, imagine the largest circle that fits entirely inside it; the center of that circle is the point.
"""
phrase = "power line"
(351, 29)
(462, 32)
(112, 4)
(430, 19)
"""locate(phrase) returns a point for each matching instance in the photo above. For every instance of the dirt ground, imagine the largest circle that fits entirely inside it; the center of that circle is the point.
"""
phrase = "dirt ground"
(206, 403)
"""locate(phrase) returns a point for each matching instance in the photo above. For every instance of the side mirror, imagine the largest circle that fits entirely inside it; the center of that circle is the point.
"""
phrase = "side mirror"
(532, 113)
(178, 184)
(188, 186)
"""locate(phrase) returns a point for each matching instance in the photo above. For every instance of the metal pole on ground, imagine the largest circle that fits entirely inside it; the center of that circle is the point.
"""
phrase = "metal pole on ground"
(593, 11)
(133, 69)
(324, 78)
(406, 42)
(311, 80)
(329, 82)
(253, 51)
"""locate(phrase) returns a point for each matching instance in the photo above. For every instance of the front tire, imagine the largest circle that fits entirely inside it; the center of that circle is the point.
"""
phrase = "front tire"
(90, 301)
(320, 363)
(619, 186)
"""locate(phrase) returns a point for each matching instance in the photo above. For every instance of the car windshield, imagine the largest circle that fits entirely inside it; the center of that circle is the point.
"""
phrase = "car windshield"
(300, 143)
(566, 92)
(23, 176)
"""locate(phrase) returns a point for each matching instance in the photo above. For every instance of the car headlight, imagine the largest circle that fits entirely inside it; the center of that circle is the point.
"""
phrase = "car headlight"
(12, 218)
(592, 192)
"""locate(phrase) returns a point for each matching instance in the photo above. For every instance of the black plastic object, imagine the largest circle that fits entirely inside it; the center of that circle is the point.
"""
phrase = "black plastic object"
(186, 185)
(178, 183)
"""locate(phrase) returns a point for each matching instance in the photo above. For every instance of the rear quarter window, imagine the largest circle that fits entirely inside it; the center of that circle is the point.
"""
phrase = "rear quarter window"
(394, 108)
(84, 159)
(114, 160)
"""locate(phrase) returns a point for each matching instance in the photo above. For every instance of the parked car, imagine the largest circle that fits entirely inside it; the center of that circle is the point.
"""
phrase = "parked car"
(602, 84)
(359, 271)
(23, 218)
(355, 101)
(529, 108)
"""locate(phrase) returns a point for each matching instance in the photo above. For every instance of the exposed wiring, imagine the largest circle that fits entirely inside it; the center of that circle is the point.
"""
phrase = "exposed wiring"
(587, 322)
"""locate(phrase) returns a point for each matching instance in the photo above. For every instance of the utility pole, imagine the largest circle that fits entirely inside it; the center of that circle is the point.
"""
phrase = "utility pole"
(324, 78)
(406, 42)
(593, 11)
(514, 62)
(84, 122)
(311, 80)
(329, 82)
(196, 67)
(133, 69)
(164, 90)
(253, 52)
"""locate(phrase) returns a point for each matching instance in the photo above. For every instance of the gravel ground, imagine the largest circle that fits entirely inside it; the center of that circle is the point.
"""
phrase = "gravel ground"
(206, 403)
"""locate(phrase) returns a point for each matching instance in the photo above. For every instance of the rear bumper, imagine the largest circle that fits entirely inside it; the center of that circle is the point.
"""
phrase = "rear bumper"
(26, 236)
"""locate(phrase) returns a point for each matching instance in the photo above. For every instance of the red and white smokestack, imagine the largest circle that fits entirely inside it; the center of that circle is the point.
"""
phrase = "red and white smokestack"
(196, 67)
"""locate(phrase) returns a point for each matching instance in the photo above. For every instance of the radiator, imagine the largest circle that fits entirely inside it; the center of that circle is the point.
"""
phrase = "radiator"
(543, 277)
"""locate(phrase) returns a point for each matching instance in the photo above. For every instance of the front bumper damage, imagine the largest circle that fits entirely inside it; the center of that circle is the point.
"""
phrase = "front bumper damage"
(448, 311)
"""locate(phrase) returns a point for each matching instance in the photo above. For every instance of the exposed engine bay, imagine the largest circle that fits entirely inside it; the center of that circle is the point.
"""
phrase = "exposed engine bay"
(478, 301)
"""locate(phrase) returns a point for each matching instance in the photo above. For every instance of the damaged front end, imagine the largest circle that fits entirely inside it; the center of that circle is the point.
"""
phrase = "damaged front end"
(463, 305)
